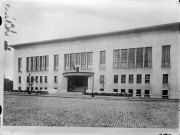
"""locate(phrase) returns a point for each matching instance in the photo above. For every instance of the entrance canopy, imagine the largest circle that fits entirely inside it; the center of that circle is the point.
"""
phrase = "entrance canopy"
(67, 74)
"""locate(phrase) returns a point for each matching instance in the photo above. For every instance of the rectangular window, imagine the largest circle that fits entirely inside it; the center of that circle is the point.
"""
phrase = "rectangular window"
(32, 79)
(32, 64)
(19, 79)
(55, 79)
(164, 92)
(123, 78)
(147, 78)
(83, 61)
(20, 64)
(72, 61)
(47, 63)
(115, 90)
(115, 78)
(116, 59)
(41, 79)
(131, 58)
(130, 91)
(139, 57)
(42, 63)
(148, 57)
(139, 78)
(77, 58)
(165, 78)
(28, 62)
(19, 88)
(45, 79)
(32, 88)
(147, 93)
(101, 79)
(124, 58)
(45, 88)
(66, 61)
(56, 62)
(27, 78)
(131, 78)
(138, 92)
(122, 90)
(41, 88)
(37, 63)
(102, 57)
(36, 88)
(89, 59)
(166, 56)
(36, 79)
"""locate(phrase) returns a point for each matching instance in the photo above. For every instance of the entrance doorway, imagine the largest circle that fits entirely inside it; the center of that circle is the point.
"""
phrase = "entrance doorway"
(77, 83)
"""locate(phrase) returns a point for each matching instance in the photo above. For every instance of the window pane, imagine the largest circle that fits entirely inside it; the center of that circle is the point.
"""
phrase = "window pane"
(101, 79)
(131, 58)
(115, 78)
(166, 56)
(102, 57)
(148, 57)
(83, 61)
(147, 78)
(77, 58)
(139, 57)
(130, 78)
(72, 61)
(123, 78)
(124, 58)
(138, 78)
(89, 58)
(116, 59)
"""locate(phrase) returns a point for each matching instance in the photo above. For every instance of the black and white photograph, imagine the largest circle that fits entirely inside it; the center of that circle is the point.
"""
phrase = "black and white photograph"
(90, 67)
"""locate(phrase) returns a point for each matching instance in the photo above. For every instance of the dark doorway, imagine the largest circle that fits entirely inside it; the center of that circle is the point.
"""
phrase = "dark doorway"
(77, 83)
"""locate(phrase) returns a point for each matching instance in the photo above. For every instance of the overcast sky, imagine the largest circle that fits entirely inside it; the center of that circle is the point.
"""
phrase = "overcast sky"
(43, 20)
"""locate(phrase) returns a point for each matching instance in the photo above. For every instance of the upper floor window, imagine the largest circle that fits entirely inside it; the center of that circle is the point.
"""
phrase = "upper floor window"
(72, 61)
(20, 64)
(41, 79)
(36, 79)
(56, 62)
(139, 57)
(66, 61)
(166, 56)
(115, 78)
(139, 78)
(147, 78)
(46, 62)
(123, 78)
(116, 58)
(37, 63)
(124, 58)
(89, 58)
(28, 60)
(42, 63)
(83, 61)
(77, 58)
(165, 78)
(131, 58)
(102, 59)
(148, 57)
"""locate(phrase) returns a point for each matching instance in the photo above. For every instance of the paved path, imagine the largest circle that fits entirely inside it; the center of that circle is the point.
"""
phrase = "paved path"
(88, 112)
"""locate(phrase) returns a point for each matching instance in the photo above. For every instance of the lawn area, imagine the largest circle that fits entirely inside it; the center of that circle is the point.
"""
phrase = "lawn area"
(86, 112)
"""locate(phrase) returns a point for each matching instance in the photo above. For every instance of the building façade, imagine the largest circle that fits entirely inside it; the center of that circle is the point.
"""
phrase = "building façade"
(142, 61)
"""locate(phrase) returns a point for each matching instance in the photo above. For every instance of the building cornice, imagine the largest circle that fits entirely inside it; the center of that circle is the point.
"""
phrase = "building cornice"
(170, 26)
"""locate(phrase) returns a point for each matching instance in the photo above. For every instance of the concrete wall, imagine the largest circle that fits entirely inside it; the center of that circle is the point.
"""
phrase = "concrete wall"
(110, 43)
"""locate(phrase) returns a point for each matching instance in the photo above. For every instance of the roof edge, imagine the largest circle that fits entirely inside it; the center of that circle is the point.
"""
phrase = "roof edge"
(170, 26)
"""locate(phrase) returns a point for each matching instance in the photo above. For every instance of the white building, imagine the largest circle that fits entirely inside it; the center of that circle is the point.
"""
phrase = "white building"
(142, 61)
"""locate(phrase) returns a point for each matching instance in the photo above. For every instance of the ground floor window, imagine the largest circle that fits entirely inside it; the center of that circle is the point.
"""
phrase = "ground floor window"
(122, 90)
(101, 89)
(147, 93)
(45, 88)
(32, 88)
(36, 88)
(130, 91)
(55, 87)
(115, 90)
(40, 88)
(138, 92)
(19, 88)
(164, 93)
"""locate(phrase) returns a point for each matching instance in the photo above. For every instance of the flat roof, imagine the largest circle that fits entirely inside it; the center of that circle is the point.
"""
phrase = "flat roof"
(169, 26)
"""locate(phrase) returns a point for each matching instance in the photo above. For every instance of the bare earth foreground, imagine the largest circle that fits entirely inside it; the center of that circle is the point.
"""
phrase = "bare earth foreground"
(88, 112)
